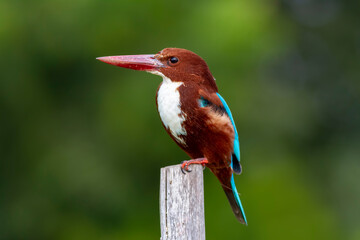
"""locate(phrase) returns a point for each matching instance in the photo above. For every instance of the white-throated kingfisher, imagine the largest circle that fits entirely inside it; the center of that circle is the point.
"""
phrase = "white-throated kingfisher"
(193, 113)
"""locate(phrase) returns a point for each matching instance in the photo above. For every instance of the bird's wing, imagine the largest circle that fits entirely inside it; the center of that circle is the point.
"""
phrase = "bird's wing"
(218, 103)
(235, 158)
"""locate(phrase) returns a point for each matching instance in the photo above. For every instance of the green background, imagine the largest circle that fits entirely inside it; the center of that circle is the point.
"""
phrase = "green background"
(81, 143)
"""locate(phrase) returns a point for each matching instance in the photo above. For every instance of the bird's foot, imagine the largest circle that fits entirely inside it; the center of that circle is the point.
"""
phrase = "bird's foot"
(185, 164)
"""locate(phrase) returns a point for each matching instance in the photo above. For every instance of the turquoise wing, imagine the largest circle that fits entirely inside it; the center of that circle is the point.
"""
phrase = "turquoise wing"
(235, 159)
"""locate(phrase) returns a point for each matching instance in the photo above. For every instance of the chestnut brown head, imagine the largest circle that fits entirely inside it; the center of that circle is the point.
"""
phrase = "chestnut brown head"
(174, 63)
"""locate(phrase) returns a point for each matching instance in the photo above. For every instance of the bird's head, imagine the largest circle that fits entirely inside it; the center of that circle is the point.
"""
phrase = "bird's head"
(175, 64)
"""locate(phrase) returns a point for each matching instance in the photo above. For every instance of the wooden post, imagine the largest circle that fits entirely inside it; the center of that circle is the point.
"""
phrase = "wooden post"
(182, 203)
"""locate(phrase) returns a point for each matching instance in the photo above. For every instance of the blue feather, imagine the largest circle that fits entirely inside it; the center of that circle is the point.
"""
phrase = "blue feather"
(235, 159)
(203, 102)
(237, 198)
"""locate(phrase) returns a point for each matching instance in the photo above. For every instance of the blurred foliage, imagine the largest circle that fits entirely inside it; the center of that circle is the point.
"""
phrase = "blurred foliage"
(81, 142)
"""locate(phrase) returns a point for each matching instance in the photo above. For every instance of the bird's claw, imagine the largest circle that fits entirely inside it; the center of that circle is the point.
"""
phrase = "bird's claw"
(185, 167)
(185, 164)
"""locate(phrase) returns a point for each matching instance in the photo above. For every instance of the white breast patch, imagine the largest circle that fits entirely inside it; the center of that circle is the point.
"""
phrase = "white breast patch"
(169, 107)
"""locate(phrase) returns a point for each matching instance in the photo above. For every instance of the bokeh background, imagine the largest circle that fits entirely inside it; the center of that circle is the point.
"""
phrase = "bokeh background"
(82, 144)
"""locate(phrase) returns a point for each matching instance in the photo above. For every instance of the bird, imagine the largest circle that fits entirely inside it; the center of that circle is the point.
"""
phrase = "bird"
(194, 114)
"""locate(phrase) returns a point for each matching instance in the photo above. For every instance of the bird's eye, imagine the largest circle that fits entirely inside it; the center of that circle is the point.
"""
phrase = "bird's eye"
(173, 60)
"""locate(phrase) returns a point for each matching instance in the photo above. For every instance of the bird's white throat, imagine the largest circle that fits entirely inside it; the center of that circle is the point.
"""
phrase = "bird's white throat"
(169, 107)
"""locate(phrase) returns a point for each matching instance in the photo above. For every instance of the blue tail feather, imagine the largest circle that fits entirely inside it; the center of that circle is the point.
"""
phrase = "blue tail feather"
(237, 198)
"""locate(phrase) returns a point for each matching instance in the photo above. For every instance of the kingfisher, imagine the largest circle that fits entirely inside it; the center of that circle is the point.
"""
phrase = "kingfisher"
(194, 114)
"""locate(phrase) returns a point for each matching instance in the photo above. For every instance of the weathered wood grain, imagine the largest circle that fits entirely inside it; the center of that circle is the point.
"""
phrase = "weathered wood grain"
(182, 203)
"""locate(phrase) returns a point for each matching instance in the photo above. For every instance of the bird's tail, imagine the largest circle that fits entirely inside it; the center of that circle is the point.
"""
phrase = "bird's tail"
(228, 184)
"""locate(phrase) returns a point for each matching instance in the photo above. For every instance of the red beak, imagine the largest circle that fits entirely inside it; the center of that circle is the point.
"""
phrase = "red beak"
(136, 62)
